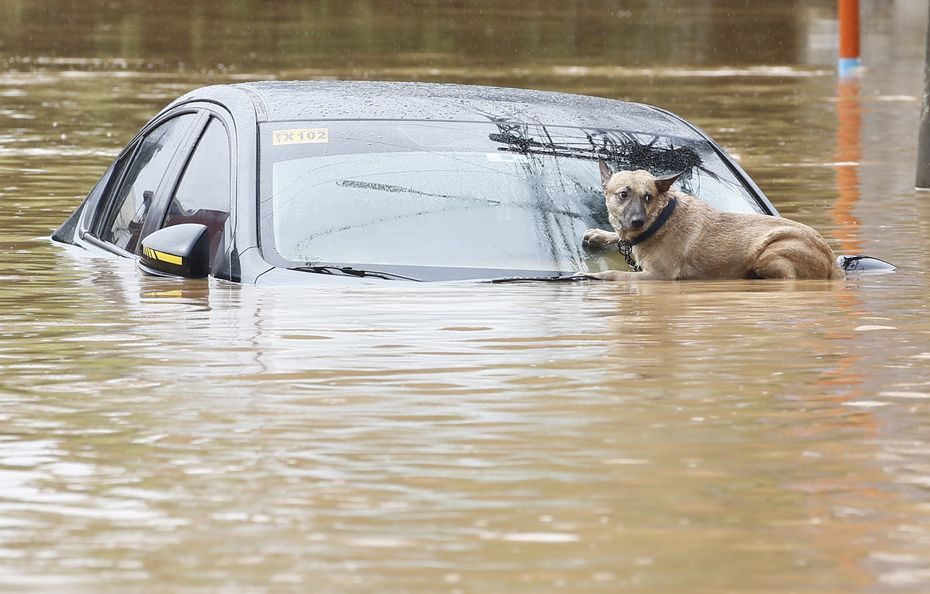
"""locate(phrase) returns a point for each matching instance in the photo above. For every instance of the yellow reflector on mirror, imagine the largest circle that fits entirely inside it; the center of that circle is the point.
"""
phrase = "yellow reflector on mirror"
(169, 258)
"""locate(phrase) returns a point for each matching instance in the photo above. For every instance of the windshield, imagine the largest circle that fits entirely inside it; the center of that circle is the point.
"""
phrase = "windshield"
(493, 199)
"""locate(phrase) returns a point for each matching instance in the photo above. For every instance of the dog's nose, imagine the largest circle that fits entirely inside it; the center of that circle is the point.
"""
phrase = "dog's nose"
(637, 223)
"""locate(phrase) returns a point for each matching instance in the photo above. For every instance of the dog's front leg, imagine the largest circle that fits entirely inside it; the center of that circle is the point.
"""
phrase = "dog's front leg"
(598, 239)
(618, 275)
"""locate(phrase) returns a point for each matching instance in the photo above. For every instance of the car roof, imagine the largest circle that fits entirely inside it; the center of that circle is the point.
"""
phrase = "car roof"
(275, 101)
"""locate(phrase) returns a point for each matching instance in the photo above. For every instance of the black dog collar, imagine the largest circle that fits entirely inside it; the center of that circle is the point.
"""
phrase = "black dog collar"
(657, 224)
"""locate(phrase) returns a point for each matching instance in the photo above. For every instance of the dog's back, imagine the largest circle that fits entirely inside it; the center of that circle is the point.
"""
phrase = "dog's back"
(708, 243)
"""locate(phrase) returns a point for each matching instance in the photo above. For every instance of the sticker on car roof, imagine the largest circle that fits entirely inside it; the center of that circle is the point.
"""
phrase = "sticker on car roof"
(300, 136)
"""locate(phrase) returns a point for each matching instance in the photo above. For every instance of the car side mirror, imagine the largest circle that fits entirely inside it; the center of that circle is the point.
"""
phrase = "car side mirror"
(179, 250)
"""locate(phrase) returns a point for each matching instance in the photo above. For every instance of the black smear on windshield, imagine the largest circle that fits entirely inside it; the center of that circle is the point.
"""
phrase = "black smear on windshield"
(351, 183)
(613, 146)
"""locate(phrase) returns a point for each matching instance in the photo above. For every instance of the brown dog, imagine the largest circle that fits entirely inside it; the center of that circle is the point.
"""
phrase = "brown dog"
(677, 237)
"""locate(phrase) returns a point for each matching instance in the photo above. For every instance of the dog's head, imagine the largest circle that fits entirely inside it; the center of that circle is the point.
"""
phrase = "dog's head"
(632, 196)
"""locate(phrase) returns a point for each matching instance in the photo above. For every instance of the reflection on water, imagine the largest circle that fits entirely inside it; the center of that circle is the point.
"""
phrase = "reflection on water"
(714, 437)
(229, 36)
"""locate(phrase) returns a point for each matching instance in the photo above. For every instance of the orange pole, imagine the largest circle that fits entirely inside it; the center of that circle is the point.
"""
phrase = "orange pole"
(848, 15)
(848, 156)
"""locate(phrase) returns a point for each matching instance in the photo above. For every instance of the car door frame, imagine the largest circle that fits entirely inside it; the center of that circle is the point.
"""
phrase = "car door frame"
(98, 211)
(159, 209)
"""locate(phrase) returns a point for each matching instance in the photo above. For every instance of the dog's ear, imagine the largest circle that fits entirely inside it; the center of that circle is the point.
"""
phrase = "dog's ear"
(664, 183)
(606, 172)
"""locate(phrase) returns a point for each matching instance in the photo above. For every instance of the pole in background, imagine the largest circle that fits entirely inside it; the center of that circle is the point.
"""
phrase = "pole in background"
(923, 142)
(849, 112)
(848, 158)
(849, 62)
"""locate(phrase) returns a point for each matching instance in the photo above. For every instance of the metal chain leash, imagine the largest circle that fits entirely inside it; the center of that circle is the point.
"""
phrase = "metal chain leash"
(627, 250)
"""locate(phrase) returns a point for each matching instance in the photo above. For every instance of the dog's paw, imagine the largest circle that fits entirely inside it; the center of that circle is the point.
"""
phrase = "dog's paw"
(613, 275)
(588, 276)
(598, 239)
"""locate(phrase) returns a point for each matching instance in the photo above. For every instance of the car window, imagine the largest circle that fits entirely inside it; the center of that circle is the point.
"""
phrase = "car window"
(203, 194)
(136, 192)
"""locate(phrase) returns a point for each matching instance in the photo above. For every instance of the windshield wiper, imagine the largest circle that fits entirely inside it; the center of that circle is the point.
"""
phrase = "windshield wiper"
(543, 279)
(349, 271)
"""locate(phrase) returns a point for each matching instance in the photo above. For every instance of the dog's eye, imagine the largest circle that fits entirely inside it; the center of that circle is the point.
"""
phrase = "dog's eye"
(647, 197)
(623, 194)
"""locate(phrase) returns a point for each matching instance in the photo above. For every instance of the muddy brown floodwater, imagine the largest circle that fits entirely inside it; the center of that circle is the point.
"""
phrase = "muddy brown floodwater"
(723, 437)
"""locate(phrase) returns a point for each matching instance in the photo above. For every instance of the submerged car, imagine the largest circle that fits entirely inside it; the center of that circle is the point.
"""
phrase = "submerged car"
(309, 182)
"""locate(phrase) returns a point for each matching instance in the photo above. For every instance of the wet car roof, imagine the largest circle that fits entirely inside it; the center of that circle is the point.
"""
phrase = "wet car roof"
(363, 100)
